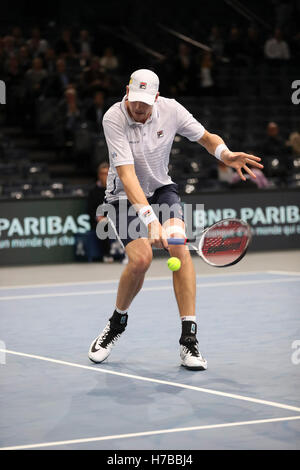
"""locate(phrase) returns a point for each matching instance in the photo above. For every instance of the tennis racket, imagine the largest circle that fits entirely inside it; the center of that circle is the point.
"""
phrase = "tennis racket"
(222, 244)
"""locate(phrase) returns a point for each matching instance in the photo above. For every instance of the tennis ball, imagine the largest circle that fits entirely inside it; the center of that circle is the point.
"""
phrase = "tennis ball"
(174, 263)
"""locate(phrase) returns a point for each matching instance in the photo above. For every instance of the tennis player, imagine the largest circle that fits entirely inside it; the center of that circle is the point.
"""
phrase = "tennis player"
(139, 133)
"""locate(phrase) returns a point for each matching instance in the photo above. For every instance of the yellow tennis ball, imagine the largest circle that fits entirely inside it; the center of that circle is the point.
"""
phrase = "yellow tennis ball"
(174, 263)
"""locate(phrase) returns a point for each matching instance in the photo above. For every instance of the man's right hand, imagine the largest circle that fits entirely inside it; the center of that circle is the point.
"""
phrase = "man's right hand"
(157, 235)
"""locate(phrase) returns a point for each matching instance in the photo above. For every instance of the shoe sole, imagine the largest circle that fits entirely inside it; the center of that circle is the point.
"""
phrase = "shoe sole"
(194, 368)
(96, 362)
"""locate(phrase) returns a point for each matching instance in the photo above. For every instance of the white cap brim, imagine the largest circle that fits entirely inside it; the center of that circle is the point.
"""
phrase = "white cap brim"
(140, 96)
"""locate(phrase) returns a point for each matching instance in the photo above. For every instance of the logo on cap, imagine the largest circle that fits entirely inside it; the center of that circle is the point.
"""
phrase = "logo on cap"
(143, 85)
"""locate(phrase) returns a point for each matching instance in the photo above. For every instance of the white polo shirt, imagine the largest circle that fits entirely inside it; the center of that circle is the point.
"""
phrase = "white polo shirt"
(146, 146)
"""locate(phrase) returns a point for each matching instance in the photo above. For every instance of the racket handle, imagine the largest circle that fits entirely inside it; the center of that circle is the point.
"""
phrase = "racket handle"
(177, 241)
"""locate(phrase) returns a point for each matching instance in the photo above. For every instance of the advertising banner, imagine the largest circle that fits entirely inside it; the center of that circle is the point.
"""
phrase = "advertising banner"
(44, 231)
(41, 231)
(274, 216)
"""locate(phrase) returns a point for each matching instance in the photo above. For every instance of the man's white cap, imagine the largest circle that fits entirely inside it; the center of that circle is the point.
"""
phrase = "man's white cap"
(143, 86)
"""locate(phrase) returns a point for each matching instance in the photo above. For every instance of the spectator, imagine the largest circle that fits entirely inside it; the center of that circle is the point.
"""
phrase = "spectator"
(69, 116)
(95, 112)
(234, 48)
(109, 61)
(206, 75)
(276, 48)
(94, 79)
(35, 80)
(37, 46)
(36, 77)
(15, 91)
(59, 81)
(50, 60)
(9, 46)
(294, 143)
(65, 47)
(184, 71)
(84, 44)
(24, 59)
(95, 198)
(273, 144)
(216, 42)
(17, 34)
(253, 47)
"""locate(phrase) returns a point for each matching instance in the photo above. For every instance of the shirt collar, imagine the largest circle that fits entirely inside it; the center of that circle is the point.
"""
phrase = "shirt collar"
(131, 121)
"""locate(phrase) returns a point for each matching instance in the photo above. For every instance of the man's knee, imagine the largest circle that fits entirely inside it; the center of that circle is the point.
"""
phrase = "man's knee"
(140, 259)
(180, 251)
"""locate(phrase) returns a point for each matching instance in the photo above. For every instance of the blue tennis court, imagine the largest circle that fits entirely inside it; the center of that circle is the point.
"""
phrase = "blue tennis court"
(53, 397)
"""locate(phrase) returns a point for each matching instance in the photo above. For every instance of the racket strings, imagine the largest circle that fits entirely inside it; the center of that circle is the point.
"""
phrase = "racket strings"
(225, 242)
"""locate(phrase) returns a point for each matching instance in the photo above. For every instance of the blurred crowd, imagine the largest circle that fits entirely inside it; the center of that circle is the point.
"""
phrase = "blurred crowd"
(34, 65)
(194, 74)
(67, 69)
(64, 79)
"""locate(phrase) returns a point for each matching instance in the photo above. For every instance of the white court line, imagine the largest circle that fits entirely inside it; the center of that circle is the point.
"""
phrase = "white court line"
(156, 288)
(288, 273)
(79, 283)
(158, 278)
(164, 382)
(151, 433)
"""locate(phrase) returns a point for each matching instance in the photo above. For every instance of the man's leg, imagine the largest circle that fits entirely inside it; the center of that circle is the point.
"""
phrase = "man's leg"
(184, 282)
(139, 254)
(139, 259)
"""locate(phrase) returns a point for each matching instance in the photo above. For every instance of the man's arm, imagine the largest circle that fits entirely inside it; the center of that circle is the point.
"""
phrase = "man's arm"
(236, 160)
(132, 186)
(138, 199)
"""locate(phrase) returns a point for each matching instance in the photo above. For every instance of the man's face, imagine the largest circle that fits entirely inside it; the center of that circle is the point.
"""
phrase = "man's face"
(138, 110)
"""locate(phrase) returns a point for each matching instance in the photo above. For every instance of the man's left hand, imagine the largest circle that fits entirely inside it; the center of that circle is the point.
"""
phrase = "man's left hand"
(239, 161)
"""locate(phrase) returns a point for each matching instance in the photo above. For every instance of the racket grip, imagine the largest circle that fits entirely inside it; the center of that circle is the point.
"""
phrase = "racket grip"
(177, 241)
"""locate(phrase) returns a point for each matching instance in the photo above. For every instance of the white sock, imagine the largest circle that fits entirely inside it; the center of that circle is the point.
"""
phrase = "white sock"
(189, 318)
(121, 312)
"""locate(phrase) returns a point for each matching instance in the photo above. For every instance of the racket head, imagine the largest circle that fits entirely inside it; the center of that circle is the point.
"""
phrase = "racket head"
(225, 243)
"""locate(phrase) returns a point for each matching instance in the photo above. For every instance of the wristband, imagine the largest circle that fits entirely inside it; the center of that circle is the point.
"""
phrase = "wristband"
(219, 150)
(146, 214)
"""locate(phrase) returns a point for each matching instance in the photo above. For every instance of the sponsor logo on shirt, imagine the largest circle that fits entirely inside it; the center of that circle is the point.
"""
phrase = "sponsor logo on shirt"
(143, 85)
(160, 133)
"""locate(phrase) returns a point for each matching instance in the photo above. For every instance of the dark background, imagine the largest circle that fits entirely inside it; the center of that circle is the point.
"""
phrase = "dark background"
(46, 156)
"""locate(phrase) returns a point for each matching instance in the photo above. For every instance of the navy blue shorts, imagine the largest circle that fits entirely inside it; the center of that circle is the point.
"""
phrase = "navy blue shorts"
(166, 195)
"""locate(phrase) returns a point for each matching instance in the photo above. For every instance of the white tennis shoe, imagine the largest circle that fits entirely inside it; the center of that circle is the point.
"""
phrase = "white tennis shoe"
(101, 347)
(191, 358)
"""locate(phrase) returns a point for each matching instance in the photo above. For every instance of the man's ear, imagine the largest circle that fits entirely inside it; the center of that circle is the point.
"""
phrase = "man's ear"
(157, 95)
(127, 90)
